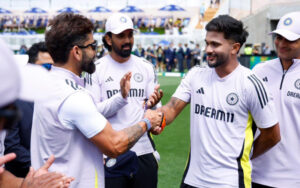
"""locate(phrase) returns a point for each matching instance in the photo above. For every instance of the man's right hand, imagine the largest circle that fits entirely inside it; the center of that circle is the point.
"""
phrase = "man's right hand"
(43, 178)
(125, 84)
(154, 117)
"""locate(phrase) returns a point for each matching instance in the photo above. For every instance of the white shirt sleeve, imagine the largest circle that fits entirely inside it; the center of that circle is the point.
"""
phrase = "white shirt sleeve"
(260, 102)
(79, 111)
(111, 106)
(183, 91)
(107, 107)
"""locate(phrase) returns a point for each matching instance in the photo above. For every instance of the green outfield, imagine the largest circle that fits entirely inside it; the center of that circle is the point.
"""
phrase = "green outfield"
(174, 143)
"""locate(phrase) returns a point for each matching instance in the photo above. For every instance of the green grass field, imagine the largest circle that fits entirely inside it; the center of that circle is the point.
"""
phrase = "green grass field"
(174, 143)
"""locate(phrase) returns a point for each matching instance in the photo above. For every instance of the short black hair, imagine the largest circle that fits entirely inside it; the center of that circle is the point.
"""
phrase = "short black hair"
(34, 51)
(107, 46)
(232, 28)
(64, 31)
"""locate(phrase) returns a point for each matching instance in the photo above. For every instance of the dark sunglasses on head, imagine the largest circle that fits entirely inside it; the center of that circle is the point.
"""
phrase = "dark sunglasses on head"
(93, 45)
(12, 115)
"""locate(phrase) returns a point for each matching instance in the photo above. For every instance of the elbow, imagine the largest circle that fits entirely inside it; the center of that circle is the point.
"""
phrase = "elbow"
(116, 148)
(276, 139)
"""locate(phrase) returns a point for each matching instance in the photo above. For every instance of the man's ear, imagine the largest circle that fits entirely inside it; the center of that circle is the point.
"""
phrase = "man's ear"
(76, 53)
(235, 48)
(108, 40)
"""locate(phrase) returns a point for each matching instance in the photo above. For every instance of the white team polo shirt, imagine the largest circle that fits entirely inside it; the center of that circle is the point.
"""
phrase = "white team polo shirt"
(105, 83)
(280, 166)
(222, 112)
(63, 125)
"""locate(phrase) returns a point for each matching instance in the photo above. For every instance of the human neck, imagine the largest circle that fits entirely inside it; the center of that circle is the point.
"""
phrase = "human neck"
(286, 63)
(69, 66)
(226, 68)
(118, 58)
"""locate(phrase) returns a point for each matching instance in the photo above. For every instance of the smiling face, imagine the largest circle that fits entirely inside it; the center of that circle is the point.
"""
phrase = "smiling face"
(218, 49)
(287, 50)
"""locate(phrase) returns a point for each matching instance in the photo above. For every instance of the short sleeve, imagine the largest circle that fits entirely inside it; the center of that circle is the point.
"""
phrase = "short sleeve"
(183, 91)
(79, 111)
(260, 102)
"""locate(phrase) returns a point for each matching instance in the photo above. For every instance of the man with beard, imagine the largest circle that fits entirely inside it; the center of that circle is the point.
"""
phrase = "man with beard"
(226, 99)
(13, 79)
(280, 167)
(68, 124)
(138, 167)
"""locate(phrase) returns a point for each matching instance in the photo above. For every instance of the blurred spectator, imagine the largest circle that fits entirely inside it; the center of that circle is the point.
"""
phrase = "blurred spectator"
(180, 57)
(256, 50)
(202, 10)
(100, 51)
(188, 56)
(197, 54)
(169, 53)
(23, 49)
(139, 51)
(265, 49)
(248, 49)
(149, 53)
(160, 59)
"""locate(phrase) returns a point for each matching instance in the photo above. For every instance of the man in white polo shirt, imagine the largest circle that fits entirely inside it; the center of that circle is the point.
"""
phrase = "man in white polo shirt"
(138, 167)
(280, 167)
(69, 125)
(15, 83)
(225, 101)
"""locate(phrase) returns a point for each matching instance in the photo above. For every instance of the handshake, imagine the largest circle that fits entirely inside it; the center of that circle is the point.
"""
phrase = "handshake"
(157, 121)
(156, 118)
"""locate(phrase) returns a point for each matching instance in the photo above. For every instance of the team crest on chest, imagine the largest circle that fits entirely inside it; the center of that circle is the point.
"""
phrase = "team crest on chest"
(138, 77)
(232, 98)
(297, 84)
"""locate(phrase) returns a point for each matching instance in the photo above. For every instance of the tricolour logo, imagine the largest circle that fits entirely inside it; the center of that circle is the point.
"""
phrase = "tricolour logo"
(288, 21)
(138, 77)
(297, 84)
(232, 99)
(123, 19)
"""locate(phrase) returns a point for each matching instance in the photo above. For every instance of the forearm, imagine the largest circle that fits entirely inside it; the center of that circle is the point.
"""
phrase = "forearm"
(169, 114)
(121, 141)
(8, 180)
(266, 140)
(110, 106)
(172, 109)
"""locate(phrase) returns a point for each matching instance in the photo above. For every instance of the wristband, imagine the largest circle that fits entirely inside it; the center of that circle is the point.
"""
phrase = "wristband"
(147, 121)
(163, 122)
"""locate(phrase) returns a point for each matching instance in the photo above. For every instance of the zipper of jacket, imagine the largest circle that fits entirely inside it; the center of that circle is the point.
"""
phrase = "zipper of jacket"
(284, 72)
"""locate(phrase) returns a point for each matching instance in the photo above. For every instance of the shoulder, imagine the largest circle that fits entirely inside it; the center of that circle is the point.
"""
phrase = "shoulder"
(103, 60)
(198, 71)
(267, 65)
(140, 61)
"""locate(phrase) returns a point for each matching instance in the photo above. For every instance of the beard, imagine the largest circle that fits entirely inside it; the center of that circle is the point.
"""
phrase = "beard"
(120, 51)
(87, 64)
(220, 59)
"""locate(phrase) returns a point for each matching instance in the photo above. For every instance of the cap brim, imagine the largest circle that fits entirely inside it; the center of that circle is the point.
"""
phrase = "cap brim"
(120, 30)
(286, 34)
